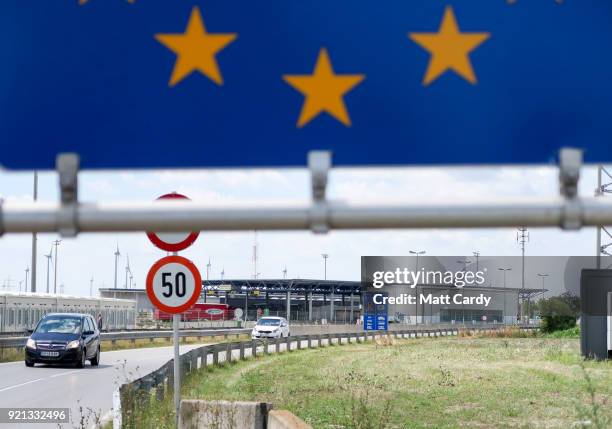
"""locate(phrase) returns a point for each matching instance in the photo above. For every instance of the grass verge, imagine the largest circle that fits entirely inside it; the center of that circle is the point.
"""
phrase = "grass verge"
(418, 383)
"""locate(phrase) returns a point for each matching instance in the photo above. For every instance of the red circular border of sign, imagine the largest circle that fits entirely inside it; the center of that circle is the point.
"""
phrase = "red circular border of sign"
(170, 247)
(196, 275)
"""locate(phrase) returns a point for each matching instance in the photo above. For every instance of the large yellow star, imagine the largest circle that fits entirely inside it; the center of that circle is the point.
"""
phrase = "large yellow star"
(323, 90)
(449, 49)
(196, 49)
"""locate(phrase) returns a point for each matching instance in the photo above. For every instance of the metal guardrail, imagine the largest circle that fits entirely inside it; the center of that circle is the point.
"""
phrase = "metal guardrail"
(18, 342)
(159, 383)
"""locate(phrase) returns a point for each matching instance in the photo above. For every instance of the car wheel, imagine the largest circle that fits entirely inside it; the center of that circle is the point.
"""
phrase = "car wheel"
(29, 364)
(81, 363)
(95, 361)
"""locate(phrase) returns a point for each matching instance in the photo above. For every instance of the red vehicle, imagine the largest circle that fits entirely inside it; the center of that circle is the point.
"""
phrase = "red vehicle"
(201, 311)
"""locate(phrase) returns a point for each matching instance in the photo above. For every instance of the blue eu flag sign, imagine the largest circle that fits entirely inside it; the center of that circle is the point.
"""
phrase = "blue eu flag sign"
(145, 84)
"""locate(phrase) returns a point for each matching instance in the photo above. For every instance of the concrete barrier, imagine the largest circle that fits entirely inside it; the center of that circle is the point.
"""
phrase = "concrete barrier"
(199, 414)
(196, 414)
(283, 419)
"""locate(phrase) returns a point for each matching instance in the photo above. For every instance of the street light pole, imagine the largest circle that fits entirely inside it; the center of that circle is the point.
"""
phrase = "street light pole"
(504, 270)
(117, 254)
(543, 277)
(27, 270)
(56, 243)
(48, 263)
(331, 300)
(416, 287)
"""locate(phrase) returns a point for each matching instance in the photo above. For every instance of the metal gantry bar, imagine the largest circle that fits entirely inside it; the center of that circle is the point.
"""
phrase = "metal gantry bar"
(69, 216)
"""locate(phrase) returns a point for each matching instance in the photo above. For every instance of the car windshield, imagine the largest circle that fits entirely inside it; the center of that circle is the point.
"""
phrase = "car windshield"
(269, 322)
(59, 325)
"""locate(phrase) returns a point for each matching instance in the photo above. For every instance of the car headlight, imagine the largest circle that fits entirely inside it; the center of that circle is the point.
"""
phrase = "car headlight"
(31, 344)
(72, 344)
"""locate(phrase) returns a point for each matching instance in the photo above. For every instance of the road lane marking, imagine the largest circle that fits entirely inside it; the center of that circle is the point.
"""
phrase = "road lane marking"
(64, 373)
(21, 384)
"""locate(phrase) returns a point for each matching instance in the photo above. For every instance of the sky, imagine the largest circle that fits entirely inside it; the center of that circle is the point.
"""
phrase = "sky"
(91, 256)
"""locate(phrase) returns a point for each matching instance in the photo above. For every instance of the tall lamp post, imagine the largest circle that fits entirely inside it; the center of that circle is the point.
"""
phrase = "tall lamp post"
(49, 256)
(117, 254)
(416, 289)
(543, 277)
(331, 300)
(27, 270)
(55, 243)
(504, 270)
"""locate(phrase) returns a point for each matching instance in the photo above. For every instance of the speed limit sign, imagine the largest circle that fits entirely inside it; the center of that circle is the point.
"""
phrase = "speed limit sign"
(174, 284)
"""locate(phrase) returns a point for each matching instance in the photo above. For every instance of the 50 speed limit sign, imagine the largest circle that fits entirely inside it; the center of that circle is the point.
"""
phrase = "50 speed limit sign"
(174, 284)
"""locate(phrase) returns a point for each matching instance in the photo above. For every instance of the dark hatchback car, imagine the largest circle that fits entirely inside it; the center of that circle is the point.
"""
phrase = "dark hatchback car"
(63, 338)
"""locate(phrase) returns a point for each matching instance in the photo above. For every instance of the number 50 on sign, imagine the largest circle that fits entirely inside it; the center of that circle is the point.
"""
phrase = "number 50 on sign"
(174, 284)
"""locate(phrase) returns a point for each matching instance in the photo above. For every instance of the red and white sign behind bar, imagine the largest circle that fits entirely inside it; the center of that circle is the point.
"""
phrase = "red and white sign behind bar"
(174, 284)
(173, 241)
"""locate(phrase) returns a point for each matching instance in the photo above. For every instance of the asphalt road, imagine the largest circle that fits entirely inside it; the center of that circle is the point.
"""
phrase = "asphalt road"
(85, 391)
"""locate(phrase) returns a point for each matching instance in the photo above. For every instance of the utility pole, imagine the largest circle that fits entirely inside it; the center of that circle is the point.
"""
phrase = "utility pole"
(208, 269)
(56, 243)
(34, 238)
(285, 272)
(48, 261)
(91, 286)
(27, 270)
(477, 256)
(117, 254)
(223, 273)
(522, 237)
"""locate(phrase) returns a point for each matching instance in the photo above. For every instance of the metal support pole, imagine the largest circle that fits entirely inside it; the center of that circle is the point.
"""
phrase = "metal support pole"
(34, 238)
(289, 303)
(310, 306)
(177, 369)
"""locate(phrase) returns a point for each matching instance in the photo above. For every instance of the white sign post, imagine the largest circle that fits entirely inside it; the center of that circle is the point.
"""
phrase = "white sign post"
(173, 286)
(177, 288)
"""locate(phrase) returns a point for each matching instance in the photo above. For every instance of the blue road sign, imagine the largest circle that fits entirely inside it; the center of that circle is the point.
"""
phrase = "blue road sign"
(250, 83)
(375, 316)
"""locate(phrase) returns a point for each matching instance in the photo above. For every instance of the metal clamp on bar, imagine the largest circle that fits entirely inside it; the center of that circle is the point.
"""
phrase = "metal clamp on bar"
(67, 165)
(319, 163)
(570, 162)
(1, 218)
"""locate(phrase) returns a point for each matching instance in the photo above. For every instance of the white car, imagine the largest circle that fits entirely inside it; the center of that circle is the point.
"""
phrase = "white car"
(271, 327)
